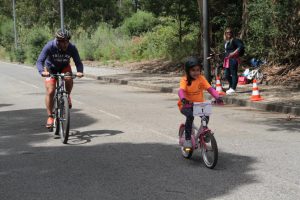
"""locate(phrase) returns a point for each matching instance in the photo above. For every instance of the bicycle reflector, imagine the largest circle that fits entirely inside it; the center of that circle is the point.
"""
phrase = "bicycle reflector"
(187, 149)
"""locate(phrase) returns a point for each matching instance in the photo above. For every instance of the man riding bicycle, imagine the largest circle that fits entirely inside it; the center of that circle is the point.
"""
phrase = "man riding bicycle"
(55, 58)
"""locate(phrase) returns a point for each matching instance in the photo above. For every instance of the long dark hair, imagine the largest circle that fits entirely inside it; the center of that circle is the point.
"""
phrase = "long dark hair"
(190, 63)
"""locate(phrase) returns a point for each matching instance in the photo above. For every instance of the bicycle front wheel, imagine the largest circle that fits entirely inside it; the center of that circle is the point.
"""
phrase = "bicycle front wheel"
(209, 151)
(64, 119)
(56, 117)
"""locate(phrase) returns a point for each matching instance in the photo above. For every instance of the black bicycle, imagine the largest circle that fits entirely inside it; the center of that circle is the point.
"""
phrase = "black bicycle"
(216, 67)
(61, 109)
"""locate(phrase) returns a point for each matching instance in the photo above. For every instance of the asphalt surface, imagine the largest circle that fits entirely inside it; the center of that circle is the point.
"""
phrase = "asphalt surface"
(123, 145)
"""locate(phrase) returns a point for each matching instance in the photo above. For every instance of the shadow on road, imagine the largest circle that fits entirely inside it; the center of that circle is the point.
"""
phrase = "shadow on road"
(19, 127)
(106, 171)
(120, 171)
(4, 105)
(284, 124)
(274, 121)
(77, 137)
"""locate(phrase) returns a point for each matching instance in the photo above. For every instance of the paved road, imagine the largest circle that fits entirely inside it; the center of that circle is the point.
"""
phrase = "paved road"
(124, 146)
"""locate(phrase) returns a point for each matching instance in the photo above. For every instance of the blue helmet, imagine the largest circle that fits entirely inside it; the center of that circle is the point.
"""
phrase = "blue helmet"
(254, 62)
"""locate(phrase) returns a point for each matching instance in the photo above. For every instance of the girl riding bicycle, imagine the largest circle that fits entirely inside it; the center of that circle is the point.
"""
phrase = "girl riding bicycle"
(191, 90)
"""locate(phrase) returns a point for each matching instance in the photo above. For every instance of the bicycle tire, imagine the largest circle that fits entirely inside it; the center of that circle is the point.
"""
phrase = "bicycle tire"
(259, 77)
(210, 163)
(219, 72)
(56, 117)
(184, 153)
(64, 119)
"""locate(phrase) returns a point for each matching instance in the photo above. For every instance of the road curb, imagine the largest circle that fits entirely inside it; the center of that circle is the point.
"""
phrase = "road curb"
(107, 79)
(271, 107)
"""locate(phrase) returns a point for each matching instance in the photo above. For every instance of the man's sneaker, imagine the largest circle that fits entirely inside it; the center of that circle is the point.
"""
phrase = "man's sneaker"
(187, 144)
(50, 122)
(230, 91)
(69, 101)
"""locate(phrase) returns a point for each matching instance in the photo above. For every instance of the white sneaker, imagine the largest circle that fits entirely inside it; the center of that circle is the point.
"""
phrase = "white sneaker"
(230, 91)
(187, 144)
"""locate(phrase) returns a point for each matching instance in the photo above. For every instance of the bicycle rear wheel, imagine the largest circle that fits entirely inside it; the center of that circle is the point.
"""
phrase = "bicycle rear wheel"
(64, 119)
(209, 150)
(259, 77)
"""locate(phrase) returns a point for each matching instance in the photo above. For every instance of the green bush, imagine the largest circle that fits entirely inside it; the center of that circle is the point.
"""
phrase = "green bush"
(3, 53)
(139, 23)
(19, 55)
(6, 34)
(85, 47)
(163, 42)
(105, 43)
(36, 39)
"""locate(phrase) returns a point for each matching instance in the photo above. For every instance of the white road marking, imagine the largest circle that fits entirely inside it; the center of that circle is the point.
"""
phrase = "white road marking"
(78, 102)
(29, 84)
(23, 82)
(102, 111)
(19, 65)
(164, 135)
(109, 114)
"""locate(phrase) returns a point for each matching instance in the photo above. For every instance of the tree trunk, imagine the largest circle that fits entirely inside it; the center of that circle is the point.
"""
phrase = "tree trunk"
(245, 19)
(180, 21)
(200, 36)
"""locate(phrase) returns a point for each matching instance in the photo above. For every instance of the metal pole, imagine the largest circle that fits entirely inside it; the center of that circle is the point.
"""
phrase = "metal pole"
(62, 15)
(15, 27)
(206, 41)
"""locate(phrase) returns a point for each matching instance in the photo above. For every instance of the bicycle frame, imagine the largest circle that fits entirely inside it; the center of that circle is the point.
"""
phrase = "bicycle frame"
(59, 91)
(60, 86)
(216, 61)
(254, 73)
(201, 131)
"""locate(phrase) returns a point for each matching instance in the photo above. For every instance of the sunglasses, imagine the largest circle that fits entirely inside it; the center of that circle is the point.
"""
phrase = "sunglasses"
(63, 41)
(228, 32)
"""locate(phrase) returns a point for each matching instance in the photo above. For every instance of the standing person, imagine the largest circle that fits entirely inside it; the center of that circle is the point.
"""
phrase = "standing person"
(55, 58)
(233, 50)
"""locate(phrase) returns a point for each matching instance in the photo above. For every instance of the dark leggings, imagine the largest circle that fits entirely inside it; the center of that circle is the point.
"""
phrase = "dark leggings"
(231, 73)
(188, 112)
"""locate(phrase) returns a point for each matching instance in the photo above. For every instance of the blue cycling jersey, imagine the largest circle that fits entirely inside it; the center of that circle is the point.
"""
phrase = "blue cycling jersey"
(55, 59)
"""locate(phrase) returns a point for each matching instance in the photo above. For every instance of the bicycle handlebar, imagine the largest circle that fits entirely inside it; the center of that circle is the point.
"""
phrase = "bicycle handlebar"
(213, 55)
(212, 102)
(62, 75)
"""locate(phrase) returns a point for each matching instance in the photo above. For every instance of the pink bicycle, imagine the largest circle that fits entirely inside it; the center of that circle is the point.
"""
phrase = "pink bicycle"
(204, 139)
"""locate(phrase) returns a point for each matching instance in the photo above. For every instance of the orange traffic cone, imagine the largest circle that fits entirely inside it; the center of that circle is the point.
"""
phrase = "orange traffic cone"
(255, 92)
(219, 88)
